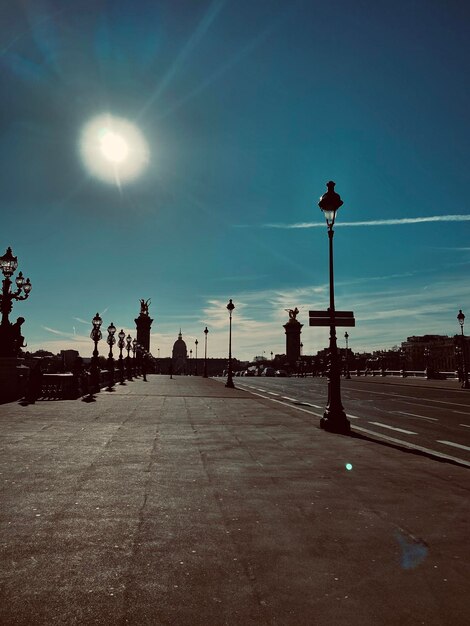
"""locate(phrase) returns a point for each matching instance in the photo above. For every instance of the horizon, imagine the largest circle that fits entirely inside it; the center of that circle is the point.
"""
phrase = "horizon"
(179, 153)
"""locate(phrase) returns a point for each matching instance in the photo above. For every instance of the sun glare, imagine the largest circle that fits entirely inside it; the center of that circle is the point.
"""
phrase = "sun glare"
(113, 149)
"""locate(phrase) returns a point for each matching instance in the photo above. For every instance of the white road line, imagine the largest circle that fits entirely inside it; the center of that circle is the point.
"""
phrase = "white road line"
(290, 406)
(412, 446)
(466, 425)
(432, 419)
(315, 406)
(273, 394)
(455, 445)
(400, 430)
(460, 412)
(353, 417)
(287, 398)
(397, 395)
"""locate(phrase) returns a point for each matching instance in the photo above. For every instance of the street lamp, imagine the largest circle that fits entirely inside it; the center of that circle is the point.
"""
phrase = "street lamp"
(111, 340)
(128, 358)
(348, 375)
(195, 367)
(95, 364)
(190, 357)
(334, 418)
(11, 340)
(134, 348)
(122, 336)
(271, 355)
(427, 360)
(229, 383)
(205, 352)
(465, 383)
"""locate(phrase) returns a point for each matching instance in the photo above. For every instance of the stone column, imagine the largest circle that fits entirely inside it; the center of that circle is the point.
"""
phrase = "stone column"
(293, 329)
(143, 324)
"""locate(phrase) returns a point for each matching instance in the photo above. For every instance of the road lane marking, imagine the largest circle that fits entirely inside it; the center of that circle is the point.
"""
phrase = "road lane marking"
(432, 419)
(287, 398)
(400, 430)
(273, 393)
(290, 406)
(397, 395)
(302, 403)
(452, 443)
(413, 446)
(353, 417)
(461, 412)
(466, 425)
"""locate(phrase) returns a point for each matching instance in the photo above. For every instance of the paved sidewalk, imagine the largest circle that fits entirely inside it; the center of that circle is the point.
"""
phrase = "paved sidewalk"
(181, 502)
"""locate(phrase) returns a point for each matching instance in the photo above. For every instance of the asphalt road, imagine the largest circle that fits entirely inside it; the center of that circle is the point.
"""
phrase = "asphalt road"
(437, 419)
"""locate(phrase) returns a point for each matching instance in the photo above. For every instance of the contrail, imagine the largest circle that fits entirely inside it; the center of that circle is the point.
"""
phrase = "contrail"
(391, 222)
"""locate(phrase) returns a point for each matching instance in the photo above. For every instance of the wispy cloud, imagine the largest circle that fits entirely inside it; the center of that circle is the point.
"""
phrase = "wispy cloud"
(389, 222)
(79, 319)
(56, 332)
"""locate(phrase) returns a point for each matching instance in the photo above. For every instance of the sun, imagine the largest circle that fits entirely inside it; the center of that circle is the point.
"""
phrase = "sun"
(113, 149)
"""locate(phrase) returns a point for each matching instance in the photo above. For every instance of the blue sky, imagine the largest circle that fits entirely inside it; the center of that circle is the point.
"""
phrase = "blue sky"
(247, 109)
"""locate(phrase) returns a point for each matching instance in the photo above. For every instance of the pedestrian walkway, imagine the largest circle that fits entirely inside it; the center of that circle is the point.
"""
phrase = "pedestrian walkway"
(181, 502)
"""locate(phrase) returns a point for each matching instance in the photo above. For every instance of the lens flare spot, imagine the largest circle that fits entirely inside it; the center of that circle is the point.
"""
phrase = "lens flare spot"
(113, 146)
(113, 149)
(348, 466)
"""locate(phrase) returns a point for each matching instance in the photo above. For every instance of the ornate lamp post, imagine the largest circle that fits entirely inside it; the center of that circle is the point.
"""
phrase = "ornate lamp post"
(195, 367)
(134, 364)
(205, 352)
(348, 375)
(10, 337)
(122, 336)
(128, 358)
(190, 358)
(465, 383)
(111, 340)
(229, 383)
(334, 418)
(95, 364)
(271, 355)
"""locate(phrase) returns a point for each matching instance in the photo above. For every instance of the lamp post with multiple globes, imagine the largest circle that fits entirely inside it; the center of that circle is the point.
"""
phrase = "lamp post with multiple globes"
(128, 358)
(111, 340)
(121, 344)
(10, 337)
(96, 336)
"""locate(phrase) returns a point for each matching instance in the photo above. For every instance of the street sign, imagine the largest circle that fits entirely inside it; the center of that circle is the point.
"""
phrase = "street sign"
(326, 321)
(327, 314)
(323, 318)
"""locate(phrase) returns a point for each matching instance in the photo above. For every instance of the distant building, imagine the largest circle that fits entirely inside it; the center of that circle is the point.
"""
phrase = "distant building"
(180, 356)
(435, 351)
(68, 359)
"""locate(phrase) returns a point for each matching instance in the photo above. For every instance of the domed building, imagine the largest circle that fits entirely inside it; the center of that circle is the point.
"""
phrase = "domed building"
(180, 356)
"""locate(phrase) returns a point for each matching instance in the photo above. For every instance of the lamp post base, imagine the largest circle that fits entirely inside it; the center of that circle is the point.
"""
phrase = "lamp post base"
(229, 382)
(335, 423)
